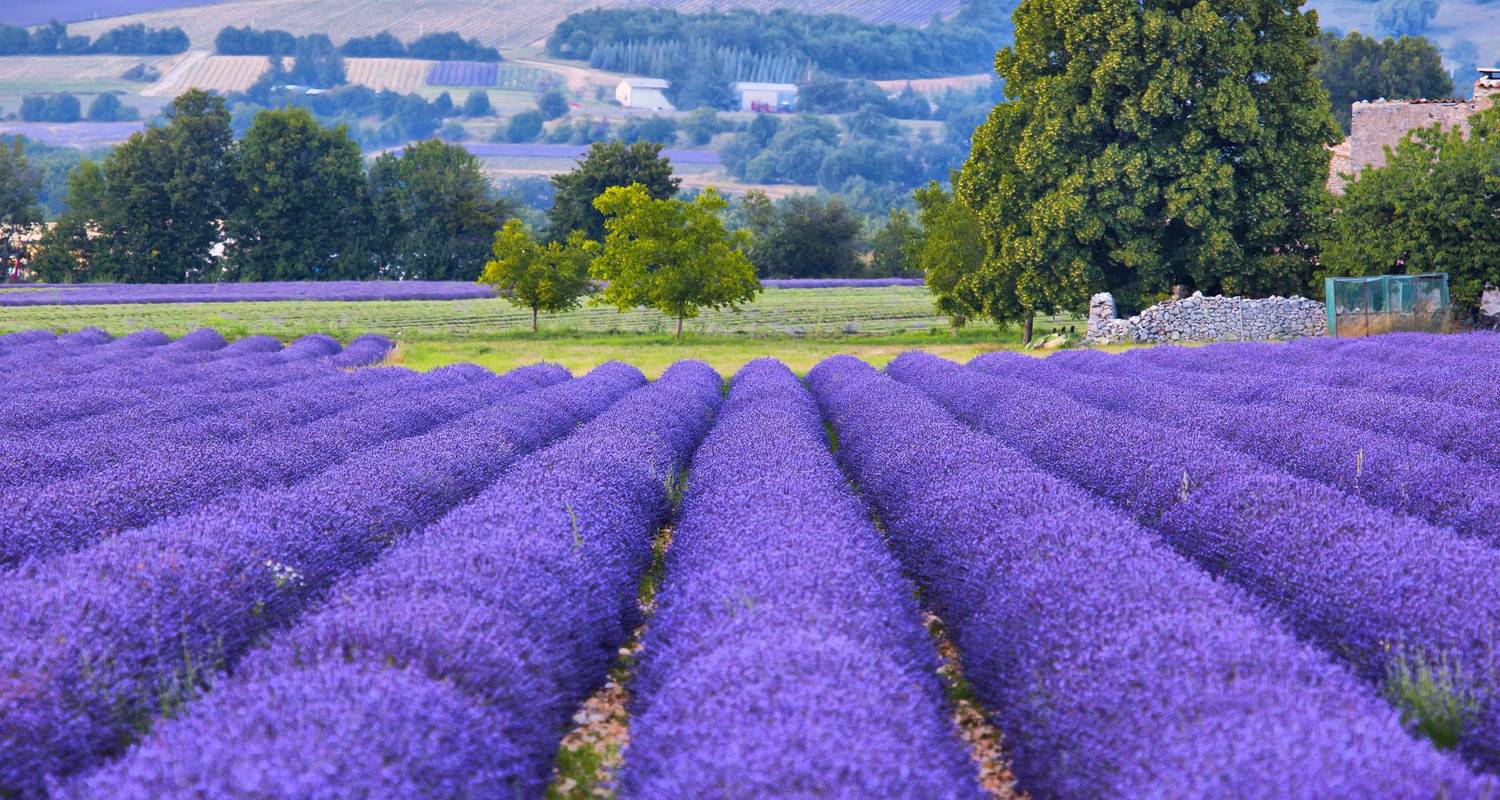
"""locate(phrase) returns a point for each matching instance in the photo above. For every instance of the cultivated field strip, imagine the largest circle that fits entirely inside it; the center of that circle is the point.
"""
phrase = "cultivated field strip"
(1158, 575)
(1114, 667)
(777, 585)
(1389, 595)
(501, 617)
(780, 312)
(154, 613)
(1401, 474)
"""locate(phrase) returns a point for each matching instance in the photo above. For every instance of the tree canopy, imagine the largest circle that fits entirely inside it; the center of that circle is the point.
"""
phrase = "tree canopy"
(1144, 145)
(543, 277)
(671, 255)
(607, 165)
(299, 211)
(1433, 207)
(1356, 67)
(434, 217)
(803, 237)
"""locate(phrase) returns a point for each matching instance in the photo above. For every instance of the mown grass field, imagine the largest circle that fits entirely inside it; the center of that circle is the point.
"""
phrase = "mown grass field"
(798, 326)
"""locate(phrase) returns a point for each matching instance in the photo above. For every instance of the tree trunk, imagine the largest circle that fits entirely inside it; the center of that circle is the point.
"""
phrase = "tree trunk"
(533, 319)
(1026, 326)
(679, 327)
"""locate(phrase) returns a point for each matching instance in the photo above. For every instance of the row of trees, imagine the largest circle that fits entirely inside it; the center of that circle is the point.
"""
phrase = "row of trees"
(65, 107)
(53, 39)
(438, 46)
(292, 200)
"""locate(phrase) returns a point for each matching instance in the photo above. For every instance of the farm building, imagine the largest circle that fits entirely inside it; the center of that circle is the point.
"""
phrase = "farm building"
(773, 97)
(1378, 124)
(644, 93)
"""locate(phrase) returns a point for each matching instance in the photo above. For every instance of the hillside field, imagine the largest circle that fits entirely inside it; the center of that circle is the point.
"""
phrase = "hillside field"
(502, 23)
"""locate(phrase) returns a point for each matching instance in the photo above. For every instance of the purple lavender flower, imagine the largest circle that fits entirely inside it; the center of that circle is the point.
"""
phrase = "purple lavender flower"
(1114, 667)
(1380, 591)
(784, 631)
(107, 637)
(508, 611)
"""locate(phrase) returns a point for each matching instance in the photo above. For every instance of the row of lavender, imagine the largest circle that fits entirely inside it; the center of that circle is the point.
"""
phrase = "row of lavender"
(787, 655)
(122, 293)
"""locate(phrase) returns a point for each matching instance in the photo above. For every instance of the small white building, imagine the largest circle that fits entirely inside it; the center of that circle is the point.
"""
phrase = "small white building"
(766, 97)
(645, 93)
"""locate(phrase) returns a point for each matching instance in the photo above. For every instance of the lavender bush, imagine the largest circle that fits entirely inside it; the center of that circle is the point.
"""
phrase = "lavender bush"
(143, 622)
(1404, 475)
(74, 513)
(1114, 667)
(785, 633)
(505, 615)
(1461, 430)
(1382, 592)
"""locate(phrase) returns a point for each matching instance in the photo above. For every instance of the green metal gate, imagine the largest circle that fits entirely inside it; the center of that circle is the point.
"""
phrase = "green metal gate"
(1386, 303)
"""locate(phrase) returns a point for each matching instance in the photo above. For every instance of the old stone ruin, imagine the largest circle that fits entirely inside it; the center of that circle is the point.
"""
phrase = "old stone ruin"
(1206, 319)
(1378, 124)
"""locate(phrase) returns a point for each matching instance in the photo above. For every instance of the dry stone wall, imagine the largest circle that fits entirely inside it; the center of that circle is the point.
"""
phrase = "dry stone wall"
(1207, 319)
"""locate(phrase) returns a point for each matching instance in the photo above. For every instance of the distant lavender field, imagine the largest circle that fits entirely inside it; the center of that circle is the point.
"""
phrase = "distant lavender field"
(36, 12)
(104, 293)
(78, 294)
(463, 73)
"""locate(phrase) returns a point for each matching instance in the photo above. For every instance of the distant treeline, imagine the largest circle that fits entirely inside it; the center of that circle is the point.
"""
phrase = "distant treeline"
(64, 107)
(444, 46)
(835, 44)
(427, 212)
(53, 39)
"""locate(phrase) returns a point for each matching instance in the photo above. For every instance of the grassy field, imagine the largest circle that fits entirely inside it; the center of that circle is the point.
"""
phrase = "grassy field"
(798, 326)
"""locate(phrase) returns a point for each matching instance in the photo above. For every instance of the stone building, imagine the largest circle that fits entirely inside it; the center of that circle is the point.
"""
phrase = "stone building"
(1378, 124)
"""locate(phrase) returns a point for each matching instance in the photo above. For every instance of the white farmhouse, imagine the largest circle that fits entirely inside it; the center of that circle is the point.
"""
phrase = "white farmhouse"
(643, 93)
(768, 97)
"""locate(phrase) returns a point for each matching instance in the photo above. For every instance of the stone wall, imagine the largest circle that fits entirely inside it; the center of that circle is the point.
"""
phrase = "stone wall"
(1207, 319)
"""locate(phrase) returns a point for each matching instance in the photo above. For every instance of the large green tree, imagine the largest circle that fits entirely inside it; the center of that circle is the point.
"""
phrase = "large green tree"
(434, 213)
(301, 212)
(1433, 207)
(608, 164)
(1147, 144)
(543, 277)
(164, 194)
(671, 255)
(1357, 67)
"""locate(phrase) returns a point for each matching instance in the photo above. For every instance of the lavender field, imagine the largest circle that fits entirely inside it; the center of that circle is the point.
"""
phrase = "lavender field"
(1242, 570)
(77, 294)
(45, 294)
